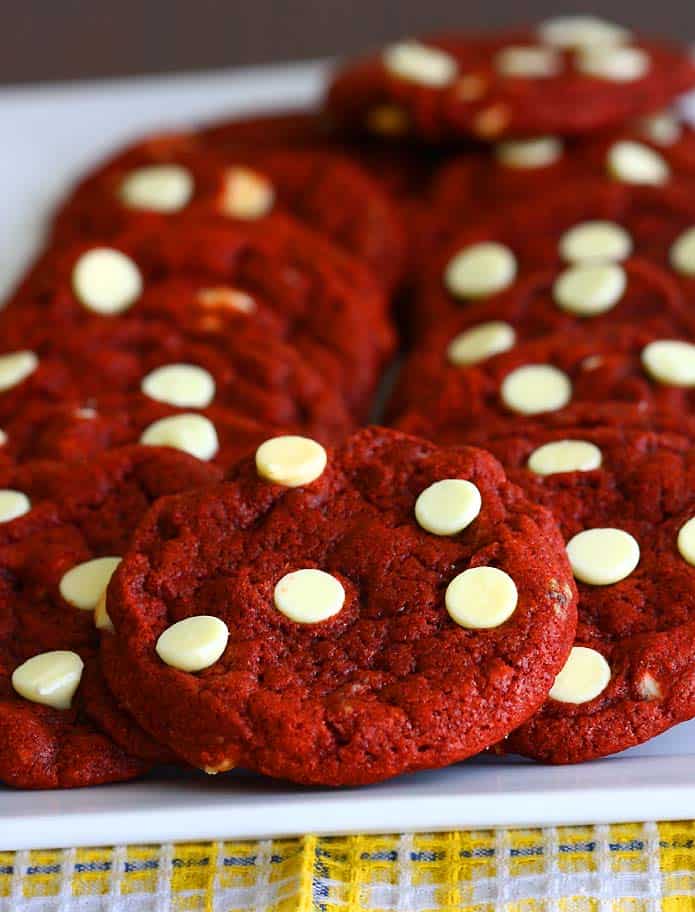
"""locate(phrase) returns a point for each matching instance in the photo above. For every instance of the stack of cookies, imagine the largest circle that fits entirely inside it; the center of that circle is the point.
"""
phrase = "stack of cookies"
(206, 560)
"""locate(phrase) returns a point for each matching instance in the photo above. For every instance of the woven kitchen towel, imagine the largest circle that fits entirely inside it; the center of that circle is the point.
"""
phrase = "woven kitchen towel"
(620, 868)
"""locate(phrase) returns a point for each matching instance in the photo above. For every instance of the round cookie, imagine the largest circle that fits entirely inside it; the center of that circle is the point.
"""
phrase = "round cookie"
(655, 151)
(402, 170)
(55, 557)
(515, 84)
(625, 364)
(641, 681)
(341, 663)
(180, 175)
(327, 304)
(595, 221)
(73, 431)
(592, 296)
(485, 258)
(151, 363)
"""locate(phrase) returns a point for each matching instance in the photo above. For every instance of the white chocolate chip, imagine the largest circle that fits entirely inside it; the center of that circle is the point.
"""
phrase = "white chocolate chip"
(246, 194)
(686, 541)
(419, 63)
(102, 621)
(448, 506)
(582, 32)
(182, 385)
(481, 598)
(536, 388)
(589, 289)
(3, 438)
(193, 644)
(387, 120)
(591, 362)
(83, 585)
(597, 241)
(540, 152)
(670, 361)
(194, 434)
(480, 270)
(602, 557)
(161, 188)
(291, 460)
(481, 342)
(635, 163)
(663, 129)
(225, 298)
(565, 456)
(15, 367)
(50, 678)
(309, 596)
(528, 61)
(682, 253)
(615, 64)
(13, 504)
(106, 281)
(586, 674)
(649, 688)
(85, 414)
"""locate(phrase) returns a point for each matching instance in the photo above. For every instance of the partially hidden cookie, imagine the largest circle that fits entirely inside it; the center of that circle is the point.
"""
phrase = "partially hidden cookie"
(593, 221)
(580, 418)
(545, 377)
(581, 299)
(326, 303)
(131, 363)
(403, 170)
(570, 75)
(63, 529)
(176, 175)
(623, 499)
(655, 151)
(79, 429)
(338, 620)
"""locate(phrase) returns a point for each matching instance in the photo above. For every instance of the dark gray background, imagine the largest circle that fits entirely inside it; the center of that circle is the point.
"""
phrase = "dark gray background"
(71, 39)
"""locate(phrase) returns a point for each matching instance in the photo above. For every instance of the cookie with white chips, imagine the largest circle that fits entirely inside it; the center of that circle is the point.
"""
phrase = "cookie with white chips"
(592, 222)
(79, 429)
(325, 302)
(166, 176)
(63, 531)
(624, 503)
(341, 617)
(656, 152)
(154, 367)
(589, 295)
(570, 75)
(551, 375)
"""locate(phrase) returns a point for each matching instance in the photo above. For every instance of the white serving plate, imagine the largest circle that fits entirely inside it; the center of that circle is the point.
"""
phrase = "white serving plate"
(49, 135)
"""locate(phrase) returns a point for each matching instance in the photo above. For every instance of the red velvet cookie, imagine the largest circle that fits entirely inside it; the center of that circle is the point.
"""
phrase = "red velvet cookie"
(571, 75)
(327, 304)
(633, 673)
(177, 174)
(594, 296)
(656, 150)
(626, 363)
(72, 431)
(55, 520)
(587, 416)
(151, 363)
(338, 629)
(402, 170)
(592, 221)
